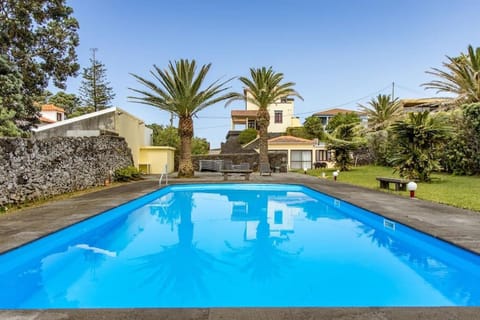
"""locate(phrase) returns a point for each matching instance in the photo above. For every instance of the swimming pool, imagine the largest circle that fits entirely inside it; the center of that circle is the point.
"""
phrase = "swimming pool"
(235, 245)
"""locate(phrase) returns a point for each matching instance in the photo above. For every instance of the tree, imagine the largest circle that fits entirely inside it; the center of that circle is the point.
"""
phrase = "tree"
(263, 89)
(461, 155)
(39, 39)
(95, 90)
(68, 101)
(200, 146)
(165, 136)
(344, 140)
(341, 119)
(343, 134)
(382, 111)
(181, 92)
(168, 136)
(314, 127)
(10, 98)
(461, 77)
(247, 135)
(418, 140)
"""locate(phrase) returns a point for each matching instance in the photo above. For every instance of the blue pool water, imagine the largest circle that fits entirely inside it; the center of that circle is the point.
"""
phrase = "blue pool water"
(233, 245)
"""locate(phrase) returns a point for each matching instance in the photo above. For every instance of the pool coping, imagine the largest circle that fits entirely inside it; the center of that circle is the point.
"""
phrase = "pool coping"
(458, 226)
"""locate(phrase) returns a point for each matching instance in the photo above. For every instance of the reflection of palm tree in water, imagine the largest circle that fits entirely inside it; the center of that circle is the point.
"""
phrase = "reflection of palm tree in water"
(263, 257)
(377, 236)
(383, 240)
(167, 210)
(179, 269)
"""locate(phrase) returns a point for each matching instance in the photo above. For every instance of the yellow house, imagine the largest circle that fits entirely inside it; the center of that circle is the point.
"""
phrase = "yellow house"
(116, 121)
(301, 153)
(281, 116)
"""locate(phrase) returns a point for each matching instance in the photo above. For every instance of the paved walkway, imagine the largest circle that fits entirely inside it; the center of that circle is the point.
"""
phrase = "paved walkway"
(461, 227)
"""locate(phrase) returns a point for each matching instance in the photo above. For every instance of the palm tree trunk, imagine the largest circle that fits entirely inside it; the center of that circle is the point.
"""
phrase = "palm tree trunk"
(185, 130)
(263, 120)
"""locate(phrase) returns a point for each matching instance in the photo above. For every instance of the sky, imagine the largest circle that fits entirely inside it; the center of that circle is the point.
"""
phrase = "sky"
(339, 53)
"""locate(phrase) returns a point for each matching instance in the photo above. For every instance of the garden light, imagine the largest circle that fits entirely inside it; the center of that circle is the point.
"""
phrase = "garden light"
(335, 175)
(412, 186)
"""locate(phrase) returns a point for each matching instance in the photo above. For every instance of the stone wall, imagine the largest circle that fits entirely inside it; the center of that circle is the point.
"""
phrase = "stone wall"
(39, 168)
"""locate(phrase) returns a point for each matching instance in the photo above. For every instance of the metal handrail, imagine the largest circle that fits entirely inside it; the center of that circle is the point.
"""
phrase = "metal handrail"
(165, 173)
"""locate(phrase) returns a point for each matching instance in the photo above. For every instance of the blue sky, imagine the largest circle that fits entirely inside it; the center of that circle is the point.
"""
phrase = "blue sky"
(339, 53)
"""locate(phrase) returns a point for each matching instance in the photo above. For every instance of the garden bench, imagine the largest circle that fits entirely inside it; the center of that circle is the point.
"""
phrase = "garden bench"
(400, 184)
(243, 172)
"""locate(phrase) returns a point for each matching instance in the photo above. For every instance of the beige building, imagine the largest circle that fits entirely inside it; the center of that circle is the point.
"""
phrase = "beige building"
(301, 153)
(116, 121)
(281, 116)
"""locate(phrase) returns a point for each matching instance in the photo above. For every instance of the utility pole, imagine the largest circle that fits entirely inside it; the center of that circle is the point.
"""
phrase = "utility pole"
(393, 91)
(94, 77)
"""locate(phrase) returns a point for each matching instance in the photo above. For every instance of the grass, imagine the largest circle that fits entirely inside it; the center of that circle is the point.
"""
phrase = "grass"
(457, 191)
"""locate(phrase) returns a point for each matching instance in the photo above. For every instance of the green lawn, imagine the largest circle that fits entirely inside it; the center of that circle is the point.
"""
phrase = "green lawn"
(458, 191)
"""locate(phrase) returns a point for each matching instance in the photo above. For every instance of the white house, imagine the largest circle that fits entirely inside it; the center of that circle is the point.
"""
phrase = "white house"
(50, 113)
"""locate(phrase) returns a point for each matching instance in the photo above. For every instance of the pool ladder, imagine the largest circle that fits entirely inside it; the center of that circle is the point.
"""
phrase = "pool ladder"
(164, 174)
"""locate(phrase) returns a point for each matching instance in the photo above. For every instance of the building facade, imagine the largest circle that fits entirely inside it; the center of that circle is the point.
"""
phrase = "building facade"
(281, 116)
(301, 153)
(115, 121)
(326, 115)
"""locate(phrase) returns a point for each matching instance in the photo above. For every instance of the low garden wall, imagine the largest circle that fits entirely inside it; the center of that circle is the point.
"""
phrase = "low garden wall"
(275, 159)
(39, 168)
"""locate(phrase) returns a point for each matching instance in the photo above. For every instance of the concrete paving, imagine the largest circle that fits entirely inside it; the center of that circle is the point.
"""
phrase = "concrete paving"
(460, 227)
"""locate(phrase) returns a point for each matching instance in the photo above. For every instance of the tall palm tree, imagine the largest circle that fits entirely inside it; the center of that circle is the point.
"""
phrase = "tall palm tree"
(382, 111)
(461, 77)
(180, 91)
(263, 89)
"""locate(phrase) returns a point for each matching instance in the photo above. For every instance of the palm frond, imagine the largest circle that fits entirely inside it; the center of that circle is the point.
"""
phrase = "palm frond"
(461, 77)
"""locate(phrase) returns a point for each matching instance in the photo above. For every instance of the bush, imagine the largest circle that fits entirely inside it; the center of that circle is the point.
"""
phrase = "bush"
(126, 174)
(299, 132)
(247, 135)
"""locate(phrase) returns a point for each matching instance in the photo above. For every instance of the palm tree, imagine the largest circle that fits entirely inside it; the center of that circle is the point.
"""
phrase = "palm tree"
(382, 111)
(180, 92)
(418, 139)
(462, 77)
(263, 89)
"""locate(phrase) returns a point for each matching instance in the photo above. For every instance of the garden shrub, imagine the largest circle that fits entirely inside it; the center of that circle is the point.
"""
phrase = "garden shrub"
(126, 174)
(247, 135)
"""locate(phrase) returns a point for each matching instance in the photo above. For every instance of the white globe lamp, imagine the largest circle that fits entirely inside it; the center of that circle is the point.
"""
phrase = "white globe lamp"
(335, 175)
(412, 186)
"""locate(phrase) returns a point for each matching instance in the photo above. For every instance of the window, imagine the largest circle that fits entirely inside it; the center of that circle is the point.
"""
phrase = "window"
(251, 124)
(301, 159)
(284, 100)
(321, 155)
(324, 155)
(278, 217)
(59, 116)
(278, 116)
